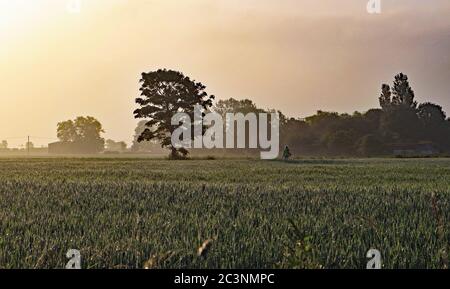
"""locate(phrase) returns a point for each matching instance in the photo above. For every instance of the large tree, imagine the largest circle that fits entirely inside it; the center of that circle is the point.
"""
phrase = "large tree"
(163, 94)
(85, 132)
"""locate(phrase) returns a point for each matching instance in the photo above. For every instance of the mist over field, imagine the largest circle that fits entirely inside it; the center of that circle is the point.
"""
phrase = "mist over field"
(295, 56)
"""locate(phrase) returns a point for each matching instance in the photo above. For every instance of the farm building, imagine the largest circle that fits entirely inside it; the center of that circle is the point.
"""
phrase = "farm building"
(61, 148)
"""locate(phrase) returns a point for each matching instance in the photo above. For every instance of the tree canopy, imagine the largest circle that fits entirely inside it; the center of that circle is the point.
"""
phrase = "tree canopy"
(84, 132)
(164, 93)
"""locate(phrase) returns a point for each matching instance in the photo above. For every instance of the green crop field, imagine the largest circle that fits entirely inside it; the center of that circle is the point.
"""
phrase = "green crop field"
(136, 213)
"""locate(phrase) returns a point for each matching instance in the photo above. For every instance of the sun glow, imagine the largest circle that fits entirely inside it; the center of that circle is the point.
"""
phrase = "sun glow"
(15, 13)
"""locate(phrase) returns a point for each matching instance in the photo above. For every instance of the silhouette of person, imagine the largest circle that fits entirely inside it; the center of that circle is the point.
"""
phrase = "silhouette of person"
(286, 153)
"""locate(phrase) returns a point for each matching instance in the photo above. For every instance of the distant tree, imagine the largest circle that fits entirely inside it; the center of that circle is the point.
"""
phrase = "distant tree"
(430, 113)
(110, 144)
(323, 119)
(114, 146)
(232, 105)
(434, 124)
(88, 128)
(385, 98)
(399, 122)
(147, 146)
(82, 128)
(4, 144)
(122, 145)
(164, 93)
(402, 93)
(244, 106)
(66, 131)
(85, 132)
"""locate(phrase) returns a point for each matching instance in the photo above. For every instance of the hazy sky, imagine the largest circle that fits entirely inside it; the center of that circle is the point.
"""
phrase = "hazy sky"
(294, 55)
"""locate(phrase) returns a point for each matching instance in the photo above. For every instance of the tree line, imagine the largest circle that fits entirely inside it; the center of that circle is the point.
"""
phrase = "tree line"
(399, 125)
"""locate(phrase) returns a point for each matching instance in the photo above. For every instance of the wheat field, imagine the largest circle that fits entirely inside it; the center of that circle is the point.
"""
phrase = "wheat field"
(136, 213)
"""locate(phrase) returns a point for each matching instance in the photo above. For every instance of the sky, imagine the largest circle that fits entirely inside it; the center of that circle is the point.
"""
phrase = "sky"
(298, 56)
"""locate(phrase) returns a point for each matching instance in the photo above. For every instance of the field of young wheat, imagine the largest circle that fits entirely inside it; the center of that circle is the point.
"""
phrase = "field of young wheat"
(136, 213)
